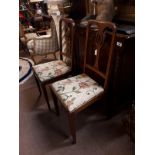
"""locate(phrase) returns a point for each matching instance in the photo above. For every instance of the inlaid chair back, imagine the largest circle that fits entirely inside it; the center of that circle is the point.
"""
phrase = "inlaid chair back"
(99, 44)
(78, 92)
(66, 34)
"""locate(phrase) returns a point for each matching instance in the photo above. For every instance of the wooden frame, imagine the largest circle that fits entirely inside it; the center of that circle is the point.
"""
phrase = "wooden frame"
(42, 85)
(101, 29)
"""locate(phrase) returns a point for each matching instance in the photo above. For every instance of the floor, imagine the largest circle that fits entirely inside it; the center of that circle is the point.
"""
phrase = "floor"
(43, 133)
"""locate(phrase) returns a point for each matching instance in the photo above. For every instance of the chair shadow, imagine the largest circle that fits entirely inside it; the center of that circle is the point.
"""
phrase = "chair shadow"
(55, 130)
(36, 104)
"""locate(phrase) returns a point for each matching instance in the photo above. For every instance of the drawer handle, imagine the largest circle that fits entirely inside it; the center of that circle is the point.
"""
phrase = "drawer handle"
(119, 44)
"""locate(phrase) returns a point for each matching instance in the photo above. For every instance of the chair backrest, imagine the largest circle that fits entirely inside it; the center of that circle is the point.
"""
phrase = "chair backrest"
(99, 45)
(66, 36)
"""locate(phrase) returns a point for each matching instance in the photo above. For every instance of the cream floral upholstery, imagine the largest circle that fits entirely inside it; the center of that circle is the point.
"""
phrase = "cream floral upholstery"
(76, 91)
(49, 70)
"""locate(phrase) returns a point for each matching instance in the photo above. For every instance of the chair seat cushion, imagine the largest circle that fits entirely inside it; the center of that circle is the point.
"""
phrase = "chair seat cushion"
(52, 69)
(76, 91)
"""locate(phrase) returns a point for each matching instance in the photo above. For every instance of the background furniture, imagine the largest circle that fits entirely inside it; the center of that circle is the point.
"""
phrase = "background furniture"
(78, 92)
(122, 88)
(124, 9)
(34, 13)
(26, 34)
(48, 72)
(42, 48)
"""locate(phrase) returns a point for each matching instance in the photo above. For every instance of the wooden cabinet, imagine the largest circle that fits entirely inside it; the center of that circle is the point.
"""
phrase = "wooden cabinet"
(122, 85)
(123, 77)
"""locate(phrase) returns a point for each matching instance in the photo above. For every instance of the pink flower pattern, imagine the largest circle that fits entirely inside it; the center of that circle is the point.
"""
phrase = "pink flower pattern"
(77, 90)
(58, 72)
(83, 85)
(51, 69)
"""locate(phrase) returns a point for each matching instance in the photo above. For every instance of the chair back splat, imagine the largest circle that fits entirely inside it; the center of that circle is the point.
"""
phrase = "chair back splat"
(99, 44)
(66, 34)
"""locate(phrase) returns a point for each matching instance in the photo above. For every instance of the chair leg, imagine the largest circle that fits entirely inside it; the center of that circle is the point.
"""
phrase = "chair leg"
(38, 85)
(46, 96)
(72, 125)
(56, 106)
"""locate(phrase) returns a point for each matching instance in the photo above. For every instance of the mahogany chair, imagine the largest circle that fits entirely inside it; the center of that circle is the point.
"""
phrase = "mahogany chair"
(78, 92)
(57, 69)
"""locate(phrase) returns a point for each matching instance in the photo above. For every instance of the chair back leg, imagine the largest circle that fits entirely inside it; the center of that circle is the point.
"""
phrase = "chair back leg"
(38, 85)
(56, 106)
(46, 96)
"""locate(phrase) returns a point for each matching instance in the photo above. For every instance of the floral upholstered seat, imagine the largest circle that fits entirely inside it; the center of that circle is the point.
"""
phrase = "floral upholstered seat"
(76, 91)
(52, 69)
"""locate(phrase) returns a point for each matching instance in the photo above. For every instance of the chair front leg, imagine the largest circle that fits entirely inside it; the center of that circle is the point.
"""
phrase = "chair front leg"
(72, 126)
(38, 85)
(46, 96)
(55, 100)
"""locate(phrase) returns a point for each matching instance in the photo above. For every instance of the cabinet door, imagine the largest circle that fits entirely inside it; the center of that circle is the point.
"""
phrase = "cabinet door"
(123, 79)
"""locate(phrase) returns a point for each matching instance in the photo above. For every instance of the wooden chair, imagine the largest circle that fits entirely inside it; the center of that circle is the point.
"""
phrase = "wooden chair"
(78, 92)
(57, 69)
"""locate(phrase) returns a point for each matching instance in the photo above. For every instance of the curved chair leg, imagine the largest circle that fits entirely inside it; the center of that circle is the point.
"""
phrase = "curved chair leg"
(72, 125)
(38, 85)
(55, 103)
(46, 96)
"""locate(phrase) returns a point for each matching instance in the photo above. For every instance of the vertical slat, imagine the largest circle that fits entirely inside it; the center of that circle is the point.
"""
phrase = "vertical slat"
(66, 37)
(99, 42)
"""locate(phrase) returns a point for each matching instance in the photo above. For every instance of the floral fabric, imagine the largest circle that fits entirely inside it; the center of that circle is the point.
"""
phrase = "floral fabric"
(76, 91)
(51, 69)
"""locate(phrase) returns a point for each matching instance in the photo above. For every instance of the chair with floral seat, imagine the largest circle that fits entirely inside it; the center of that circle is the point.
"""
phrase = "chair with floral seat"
(61, 67)
(78, 92)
